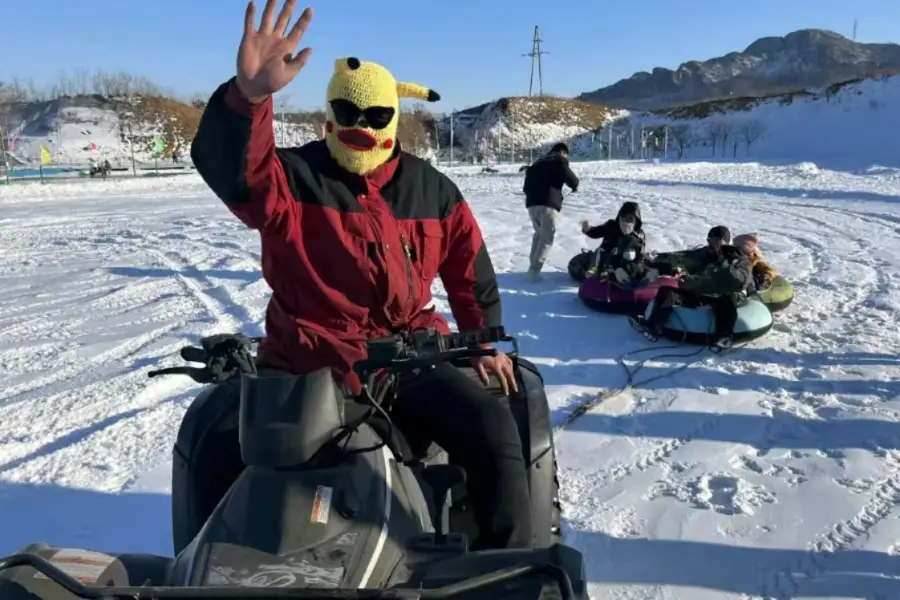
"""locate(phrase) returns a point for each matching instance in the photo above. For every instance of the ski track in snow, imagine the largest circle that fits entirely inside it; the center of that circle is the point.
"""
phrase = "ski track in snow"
(772, 471)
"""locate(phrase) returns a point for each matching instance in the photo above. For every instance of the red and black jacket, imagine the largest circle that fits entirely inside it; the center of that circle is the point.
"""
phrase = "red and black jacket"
(347, 257)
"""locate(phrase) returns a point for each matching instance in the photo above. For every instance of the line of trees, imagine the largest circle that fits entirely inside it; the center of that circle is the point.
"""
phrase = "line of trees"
(83, 82)
(718, 134)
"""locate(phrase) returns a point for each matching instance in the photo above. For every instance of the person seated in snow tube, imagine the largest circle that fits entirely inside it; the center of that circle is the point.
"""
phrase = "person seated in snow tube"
(763, 273)
(774, 290)
(718, 275)
(621, 253)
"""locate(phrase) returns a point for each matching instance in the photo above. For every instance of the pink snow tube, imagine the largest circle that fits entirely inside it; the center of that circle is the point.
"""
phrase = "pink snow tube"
(608, 296)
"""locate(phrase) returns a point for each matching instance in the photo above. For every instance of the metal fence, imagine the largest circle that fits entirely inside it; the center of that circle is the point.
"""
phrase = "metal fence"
(619, 142)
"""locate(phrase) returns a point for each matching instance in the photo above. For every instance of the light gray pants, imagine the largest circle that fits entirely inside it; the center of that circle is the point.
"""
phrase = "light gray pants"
(543, 219)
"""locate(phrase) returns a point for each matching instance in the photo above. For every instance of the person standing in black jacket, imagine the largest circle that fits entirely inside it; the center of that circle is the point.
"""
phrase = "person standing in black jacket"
(544, 181)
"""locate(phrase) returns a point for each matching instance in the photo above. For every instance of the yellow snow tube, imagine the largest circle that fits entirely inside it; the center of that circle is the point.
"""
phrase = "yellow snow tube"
(779, 295)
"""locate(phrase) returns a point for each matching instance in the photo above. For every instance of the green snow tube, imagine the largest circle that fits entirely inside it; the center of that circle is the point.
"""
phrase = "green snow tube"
(779, 295)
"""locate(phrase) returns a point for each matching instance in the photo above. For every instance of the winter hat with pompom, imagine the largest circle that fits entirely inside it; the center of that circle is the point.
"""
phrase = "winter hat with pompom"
(748, 242)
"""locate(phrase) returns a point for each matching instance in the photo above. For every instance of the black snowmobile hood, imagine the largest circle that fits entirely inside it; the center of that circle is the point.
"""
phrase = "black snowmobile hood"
(631, 208)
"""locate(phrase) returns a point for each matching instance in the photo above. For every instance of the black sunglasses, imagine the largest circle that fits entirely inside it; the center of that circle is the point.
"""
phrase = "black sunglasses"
(348, 114)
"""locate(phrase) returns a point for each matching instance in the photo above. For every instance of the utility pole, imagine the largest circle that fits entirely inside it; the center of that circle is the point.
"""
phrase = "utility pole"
(535, 56)
(282, 104)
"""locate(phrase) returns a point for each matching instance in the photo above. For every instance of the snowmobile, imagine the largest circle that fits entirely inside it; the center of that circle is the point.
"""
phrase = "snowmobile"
(330, 501)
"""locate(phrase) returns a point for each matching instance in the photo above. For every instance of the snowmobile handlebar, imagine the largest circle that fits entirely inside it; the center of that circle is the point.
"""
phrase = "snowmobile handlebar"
(427, 348)
(452, 590)
(225, 355)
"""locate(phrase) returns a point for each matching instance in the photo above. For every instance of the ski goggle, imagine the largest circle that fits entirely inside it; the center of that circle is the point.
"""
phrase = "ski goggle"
(348, 114)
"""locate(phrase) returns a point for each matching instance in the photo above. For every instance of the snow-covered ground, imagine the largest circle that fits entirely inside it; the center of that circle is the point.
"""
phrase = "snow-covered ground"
(772, 471)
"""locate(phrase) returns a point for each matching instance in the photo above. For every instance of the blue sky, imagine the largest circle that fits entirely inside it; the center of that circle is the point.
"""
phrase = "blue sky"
(468, 50)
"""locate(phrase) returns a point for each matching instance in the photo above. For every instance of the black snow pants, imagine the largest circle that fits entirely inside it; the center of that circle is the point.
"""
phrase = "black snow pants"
(480, 434)
(723, 307)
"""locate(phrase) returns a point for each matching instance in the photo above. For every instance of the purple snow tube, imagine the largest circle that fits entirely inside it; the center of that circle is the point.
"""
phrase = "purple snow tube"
(608, 296)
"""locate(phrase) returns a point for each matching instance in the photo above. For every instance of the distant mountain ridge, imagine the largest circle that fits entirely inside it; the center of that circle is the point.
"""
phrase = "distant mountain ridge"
(803, 59)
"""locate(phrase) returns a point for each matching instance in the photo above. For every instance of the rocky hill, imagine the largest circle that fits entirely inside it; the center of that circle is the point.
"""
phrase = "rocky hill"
(511, 129)
(804, 59)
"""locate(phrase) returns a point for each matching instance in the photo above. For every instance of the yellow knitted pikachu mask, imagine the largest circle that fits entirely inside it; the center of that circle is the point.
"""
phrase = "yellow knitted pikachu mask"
(362, 113)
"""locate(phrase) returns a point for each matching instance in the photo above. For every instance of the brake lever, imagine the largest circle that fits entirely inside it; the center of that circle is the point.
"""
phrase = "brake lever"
(198, 374)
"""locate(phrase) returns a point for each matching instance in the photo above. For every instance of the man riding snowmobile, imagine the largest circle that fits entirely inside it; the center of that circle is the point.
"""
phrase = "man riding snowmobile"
(353, 232)
(718, 275)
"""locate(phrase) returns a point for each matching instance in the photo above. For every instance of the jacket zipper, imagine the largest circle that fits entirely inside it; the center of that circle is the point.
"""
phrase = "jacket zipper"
(377, 292)
(407, 258)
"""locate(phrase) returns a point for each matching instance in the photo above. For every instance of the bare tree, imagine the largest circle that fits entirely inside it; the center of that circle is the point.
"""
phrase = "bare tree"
(199, 101)
(719, 130)
(726, 129)
(750, 130)
(681, 137)
(81, 81)
(412, 133)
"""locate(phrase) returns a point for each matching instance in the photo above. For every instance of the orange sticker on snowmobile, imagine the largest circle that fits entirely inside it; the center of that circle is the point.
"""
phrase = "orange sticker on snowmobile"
(321, 504)
(83, 565)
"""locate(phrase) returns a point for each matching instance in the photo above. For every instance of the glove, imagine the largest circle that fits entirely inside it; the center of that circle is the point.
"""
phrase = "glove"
(622, 276)
(652, 275)
(585, 225)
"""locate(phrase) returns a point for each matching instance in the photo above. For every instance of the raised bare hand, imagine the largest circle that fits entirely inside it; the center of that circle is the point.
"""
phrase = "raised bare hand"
(266, 61)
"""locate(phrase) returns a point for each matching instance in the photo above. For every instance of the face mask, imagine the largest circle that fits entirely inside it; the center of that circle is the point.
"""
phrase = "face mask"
(362, 113)
(629, 255)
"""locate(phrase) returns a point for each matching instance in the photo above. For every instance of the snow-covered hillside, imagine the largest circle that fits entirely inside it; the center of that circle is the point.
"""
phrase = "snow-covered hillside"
(77, 130)
(510, 129)
(851, 125)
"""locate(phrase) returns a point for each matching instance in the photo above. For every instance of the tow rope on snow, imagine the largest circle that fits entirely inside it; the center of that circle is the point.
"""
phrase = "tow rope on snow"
(591, 403)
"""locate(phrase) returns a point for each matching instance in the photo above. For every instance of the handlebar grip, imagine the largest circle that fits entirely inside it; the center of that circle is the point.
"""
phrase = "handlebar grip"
(193, 354)
(488, 335)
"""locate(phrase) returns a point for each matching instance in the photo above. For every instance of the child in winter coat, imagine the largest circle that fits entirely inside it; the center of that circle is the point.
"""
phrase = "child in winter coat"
(763, 273)
(621, 253)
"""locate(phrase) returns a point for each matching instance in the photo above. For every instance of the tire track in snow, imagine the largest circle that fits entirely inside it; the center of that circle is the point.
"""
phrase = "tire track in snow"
(788, 582)
(227, 314)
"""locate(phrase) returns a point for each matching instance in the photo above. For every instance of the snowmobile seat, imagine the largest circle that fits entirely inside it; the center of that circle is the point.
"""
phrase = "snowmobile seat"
(206, 458)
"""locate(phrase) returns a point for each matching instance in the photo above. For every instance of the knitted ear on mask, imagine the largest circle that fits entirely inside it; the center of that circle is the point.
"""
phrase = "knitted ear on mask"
(362, 112)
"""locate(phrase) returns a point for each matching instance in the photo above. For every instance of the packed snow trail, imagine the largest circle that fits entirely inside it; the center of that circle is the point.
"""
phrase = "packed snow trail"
(772, 471)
